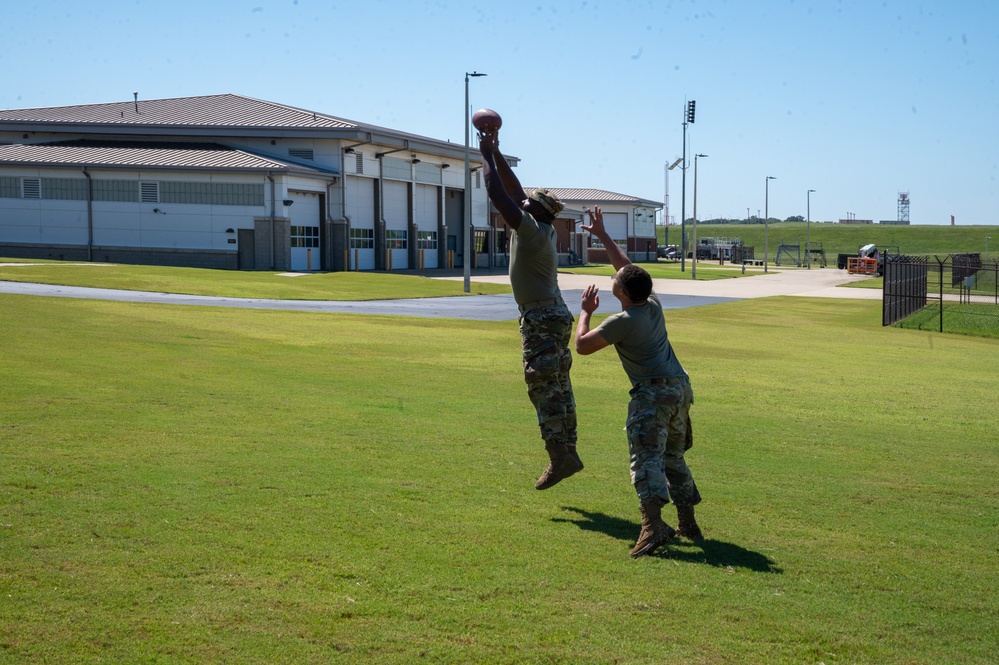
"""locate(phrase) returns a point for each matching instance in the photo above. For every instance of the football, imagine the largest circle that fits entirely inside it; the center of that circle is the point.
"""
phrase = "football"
(487, 120)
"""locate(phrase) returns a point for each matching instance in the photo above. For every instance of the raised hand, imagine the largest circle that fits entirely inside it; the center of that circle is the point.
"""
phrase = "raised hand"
(488, 140)
(596, 225)
(591, 299)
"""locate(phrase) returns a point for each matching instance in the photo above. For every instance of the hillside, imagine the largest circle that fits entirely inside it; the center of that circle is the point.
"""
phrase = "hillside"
(848, 238)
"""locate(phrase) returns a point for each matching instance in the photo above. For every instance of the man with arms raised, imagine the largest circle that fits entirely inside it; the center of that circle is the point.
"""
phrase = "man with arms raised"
(660, 396)
(545, 321)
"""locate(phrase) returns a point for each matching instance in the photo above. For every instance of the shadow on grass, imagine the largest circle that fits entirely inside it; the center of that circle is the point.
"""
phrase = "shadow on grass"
(712, 552)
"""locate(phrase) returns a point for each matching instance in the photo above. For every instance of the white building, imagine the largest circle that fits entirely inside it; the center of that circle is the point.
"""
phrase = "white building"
(630, 221)
(226, 181)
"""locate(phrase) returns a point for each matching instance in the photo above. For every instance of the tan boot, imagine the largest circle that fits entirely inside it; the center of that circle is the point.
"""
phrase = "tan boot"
(562, 465)
(655, 532)
(687, 525)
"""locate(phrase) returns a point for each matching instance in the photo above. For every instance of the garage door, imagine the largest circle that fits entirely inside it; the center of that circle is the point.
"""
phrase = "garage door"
(305, 219)
(361, 211)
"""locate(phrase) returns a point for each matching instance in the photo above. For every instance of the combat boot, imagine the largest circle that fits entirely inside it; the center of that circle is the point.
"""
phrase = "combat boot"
(575, 456)
(687, 525)
(562, 465)
(655, 532)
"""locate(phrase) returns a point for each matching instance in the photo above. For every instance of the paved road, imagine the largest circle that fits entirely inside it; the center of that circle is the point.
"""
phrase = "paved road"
(675, 294)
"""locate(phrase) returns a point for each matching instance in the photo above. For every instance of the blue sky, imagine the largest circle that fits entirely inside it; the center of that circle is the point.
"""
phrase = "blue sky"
(856, 100)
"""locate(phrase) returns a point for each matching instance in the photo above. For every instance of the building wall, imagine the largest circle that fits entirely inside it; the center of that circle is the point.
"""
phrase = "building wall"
(199, 233)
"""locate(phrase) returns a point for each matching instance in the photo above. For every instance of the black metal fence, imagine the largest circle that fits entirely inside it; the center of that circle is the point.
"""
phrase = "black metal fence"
(956, 293)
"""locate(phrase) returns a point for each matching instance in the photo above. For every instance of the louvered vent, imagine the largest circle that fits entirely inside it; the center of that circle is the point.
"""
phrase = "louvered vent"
(359, 159)
(32, 188)
(149, 192)
(302, 153)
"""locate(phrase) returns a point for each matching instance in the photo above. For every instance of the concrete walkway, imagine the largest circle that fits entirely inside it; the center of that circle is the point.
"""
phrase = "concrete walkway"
(815, 283)
(675, 294)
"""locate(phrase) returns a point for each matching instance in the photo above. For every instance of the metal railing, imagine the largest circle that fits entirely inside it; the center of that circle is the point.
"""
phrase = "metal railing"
(956, 293)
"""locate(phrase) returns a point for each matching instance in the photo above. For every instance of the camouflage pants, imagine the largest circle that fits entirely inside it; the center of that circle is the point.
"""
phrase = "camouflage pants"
(657, 436)
(545, 333)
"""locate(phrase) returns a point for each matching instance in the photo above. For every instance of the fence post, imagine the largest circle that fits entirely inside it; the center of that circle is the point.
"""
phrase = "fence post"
(941, 265)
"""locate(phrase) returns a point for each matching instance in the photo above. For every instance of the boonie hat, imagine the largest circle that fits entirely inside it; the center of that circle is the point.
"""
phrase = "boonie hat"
(550, 202)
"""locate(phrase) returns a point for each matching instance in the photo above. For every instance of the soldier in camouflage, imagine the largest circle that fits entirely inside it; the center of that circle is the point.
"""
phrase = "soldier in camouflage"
(658, 422)
(545, 321)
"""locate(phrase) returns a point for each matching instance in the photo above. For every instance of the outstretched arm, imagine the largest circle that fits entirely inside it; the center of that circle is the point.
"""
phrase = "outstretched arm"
(588, 341)
(616, 255)
(502, 185)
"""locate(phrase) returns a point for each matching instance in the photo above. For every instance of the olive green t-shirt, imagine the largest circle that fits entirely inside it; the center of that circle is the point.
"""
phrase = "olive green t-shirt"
(533, 262)
(639, 336)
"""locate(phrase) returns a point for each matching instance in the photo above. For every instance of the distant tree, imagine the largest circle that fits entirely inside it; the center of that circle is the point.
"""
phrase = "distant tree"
(795, 218)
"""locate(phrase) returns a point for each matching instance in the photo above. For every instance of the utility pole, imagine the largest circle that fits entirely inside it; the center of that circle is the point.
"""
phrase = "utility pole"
(688, 117)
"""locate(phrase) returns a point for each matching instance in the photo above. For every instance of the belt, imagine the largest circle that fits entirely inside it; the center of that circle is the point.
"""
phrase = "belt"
(664, 381)
(538, 304)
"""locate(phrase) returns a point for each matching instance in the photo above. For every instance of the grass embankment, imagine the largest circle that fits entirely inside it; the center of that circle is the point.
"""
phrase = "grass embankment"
(186, 484)
(848, 238)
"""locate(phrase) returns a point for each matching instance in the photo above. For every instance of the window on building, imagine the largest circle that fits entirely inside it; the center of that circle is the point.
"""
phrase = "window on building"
(396, 239)
(64, 189)
(212, 193)
(596, 244)
(10, 187)
(427, 240)
(305, 236)
(429, 173)
(115, 190)
(362, 238)
(396, 169)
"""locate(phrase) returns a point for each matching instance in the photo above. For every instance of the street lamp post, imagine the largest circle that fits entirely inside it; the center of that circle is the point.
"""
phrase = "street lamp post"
(688, 117)
(987, 248)
(766, 224)
(693, 238)
(467, 253)
(808, 242)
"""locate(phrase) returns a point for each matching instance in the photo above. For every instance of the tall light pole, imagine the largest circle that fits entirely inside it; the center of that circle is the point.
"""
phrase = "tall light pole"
(766, 225)
(987, 248)
(688, 117)
(693, 239)
(466, 258)
(666, 201)
(808, 242)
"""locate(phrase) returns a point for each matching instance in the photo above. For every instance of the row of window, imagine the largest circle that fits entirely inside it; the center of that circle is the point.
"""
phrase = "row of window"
(133, 191)
(365, 239)
(399, 169)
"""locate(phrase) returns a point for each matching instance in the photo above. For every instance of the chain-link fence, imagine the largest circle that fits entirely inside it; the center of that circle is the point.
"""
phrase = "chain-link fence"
(956, 293)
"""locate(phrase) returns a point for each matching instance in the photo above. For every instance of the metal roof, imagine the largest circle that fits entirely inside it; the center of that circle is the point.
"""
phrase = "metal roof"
(595, 196)
(214, 117)
(206, 111)
(144, 154)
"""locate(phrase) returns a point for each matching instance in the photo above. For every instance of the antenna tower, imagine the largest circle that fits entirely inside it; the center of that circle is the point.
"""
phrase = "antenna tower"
(903, 207)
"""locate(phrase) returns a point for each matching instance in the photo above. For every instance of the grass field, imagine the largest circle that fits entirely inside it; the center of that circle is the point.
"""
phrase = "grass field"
(848, 238)
(239, 283)
(188, 484)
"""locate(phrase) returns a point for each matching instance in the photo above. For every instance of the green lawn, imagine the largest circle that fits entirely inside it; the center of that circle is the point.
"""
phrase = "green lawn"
(241, 283)
(189, 484)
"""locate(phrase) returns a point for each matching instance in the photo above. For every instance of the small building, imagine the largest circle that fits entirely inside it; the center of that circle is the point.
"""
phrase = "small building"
(630, 221)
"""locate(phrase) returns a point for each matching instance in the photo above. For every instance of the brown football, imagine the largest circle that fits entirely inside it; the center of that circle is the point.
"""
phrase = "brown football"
(487, 120)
